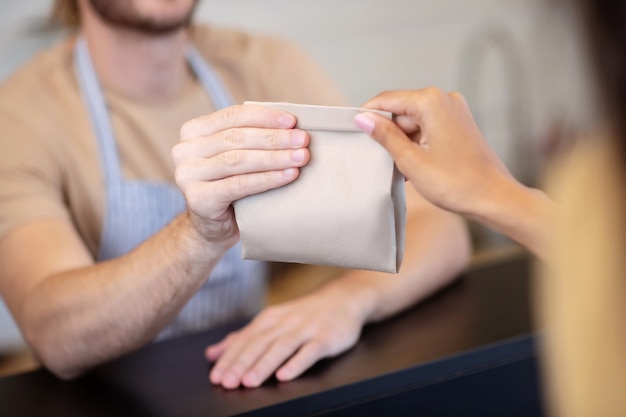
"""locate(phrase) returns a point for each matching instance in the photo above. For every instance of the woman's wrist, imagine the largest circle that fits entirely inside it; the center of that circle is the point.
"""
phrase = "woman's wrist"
(493, 204)
(522, 213)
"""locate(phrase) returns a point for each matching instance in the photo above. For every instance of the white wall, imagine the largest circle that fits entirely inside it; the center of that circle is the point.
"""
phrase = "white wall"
(515, 71)
(489, 50)
(370, 46)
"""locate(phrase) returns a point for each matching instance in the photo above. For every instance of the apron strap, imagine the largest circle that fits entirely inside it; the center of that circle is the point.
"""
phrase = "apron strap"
(209, 79)
(96, 106)
(93, 98)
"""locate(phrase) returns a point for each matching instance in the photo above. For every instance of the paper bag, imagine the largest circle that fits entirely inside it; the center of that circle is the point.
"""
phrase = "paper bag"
(346, 209)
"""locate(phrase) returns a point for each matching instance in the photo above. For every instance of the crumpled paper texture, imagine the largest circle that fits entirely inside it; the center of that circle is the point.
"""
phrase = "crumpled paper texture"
(346, 209)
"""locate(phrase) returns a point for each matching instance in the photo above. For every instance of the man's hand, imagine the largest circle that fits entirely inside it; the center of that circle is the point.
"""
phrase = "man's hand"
(230, 154)
(287, 339)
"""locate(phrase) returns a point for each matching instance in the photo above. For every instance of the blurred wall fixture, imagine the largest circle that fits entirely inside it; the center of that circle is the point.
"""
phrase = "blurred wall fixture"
(492, 80)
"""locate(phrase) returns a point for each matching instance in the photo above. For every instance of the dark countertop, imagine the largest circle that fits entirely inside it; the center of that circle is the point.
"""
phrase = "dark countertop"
(469, 349)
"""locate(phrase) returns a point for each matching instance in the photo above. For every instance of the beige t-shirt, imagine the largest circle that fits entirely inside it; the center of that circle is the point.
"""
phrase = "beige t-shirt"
(49, 166)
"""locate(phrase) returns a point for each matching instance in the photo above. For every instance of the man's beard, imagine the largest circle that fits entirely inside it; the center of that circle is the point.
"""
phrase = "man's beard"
(122, 14)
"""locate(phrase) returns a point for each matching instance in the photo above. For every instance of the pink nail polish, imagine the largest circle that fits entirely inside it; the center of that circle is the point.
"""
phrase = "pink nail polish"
(365, 122)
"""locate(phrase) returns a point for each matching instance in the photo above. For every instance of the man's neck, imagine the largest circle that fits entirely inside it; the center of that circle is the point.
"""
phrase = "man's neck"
(139, 65)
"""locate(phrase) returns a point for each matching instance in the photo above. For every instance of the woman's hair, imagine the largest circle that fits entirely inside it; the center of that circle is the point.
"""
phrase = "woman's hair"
(605, 22)
(65, 13)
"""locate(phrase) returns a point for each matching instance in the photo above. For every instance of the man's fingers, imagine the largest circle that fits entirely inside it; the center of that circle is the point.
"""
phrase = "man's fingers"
(211, 194)
(238, 139)
(229, 371)
(241, 162)
(281, 349)
(213, 352)
(310, 353)
(242, 354)
(236, 116)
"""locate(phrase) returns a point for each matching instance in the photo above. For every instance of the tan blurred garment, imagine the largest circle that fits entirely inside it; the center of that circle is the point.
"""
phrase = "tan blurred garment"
(582, 298)
(49, 166)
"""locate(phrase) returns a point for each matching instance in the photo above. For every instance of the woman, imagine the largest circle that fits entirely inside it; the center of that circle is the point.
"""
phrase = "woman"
(582, 293)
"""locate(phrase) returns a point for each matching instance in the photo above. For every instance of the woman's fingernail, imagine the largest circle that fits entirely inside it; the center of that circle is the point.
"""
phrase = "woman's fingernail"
(365, 122)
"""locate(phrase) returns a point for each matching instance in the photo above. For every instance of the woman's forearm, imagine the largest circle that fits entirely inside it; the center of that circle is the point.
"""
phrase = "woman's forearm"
(523, 214)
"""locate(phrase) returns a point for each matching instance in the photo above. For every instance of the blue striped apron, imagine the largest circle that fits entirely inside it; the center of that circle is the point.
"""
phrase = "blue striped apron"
(135, 210)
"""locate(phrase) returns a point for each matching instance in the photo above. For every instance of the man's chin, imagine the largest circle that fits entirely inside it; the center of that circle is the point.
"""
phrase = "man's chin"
(122, 15)
(151, 28)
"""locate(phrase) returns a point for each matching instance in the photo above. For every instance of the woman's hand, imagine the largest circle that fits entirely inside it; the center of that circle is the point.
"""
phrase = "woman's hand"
(437, 145)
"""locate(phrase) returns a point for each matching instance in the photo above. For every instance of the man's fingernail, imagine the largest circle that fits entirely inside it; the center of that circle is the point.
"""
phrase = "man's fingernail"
(284, 374)
(365, 122)
(286, 120)
(215, 377)
(230, 380)
(298, 155)
(290, 173)
(251, 379)
(297, 138)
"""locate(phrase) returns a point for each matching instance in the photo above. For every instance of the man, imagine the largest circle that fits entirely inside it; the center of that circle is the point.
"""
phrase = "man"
(100, 253)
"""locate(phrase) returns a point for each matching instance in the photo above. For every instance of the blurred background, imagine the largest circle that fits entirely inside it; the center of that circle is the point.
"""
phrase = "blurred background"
(516, 61)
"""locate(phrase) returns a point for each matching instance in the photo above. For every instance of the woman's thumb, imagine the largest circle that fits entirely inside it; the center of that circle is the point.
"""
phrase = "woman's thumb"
(392, 138)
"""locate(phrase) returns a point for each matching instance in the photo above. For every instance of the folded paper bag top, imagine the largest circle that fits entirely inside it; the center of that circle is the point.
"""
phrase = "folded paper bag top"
(346, 208)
